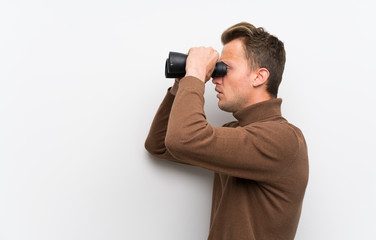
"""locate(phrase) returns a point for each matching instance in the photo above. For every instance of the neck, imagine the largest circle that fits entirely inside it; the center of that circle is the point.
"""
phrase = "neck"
(259, 96)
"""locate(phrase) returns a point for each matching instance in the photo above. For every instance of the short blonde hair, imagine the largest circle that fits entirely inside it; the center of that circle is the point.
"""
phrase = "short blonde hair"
(262, 50)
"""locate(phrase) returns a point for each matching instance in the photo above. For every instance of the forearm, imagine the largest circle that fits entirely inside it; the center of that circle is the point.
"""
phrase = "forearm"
(175, 87)
(155, 141)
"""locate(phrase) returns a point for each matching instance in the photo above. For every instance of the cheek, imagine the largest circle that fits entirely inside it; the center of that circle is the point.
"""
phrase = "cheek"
(237, 85)
(236, 82)
(235, 78)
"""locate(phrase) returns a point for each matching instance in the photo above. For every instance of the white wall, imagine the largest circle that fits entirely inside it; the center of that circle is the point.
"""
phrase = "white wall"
(80, 82)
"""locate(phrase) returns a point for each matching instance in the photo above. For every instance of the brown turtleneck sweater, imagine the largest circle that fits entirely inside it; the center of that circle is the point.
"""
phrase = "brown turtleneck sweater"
(260, 162)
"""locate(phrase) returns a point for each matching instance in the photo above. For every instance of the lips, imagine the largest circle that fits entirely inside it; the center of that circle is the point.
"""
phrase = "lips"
(220, 93)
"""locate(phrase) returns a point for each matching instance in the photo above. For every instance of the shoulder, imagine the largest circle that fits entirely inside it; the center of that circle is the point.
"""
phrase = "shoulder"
(280, 137)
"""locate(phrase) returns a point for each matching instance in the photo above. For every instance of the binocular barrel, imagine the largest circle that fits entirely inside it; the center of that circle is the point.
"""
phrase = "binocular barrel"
(175, 66)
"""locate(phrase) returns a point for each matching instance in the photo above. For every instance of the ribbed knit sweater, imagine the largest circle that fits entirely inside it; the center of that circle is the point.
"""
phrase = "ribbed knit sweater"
(260, 162)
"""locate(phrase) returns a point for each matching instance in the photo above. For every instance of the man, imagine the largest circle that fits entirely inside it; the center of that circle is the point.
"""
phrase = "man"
(260, 161)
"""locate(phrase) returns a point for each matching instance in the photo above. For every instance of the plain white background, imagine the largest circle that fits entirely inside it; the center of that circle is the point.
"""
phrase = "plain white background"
(80, 82)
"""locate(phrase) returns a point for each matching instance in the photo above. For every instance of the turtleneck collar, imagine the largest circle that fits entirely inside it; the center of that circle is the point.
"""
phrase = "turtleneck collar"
(259, 111)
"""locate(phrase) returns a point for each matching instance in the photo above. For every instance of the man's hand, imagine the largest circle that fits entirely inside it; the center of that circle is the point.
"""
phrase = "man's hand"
(201, 62)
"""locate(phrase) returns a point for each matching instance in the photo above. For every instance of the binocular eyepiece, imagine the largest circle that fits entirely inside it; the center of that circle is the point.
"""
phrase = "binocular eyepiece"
(175, 66)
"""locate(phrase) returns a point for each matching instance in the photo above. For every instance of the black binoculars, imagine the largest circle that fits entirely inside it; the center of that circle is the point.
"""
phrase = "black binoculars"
(175, 66)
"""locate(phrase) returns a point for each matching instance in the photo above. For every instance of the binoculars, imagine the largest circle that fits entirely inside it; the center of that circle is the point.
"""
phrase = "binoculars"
(175, 66)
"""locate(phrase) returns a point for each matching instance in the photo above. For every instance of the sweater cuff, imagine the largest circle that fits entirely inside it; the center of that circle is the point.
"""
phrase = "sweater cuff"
(169, 94)
(192, 82)
(167, 101)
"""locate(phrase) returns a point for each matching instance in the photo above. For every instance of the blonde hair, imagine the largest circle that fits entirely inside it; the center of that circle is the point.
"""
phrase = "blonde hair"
(262, 50)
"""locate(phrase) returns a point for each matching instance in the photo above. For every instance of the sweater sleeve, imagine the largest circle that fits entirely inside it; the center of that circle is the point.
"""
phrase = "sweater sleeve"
(253, 152)
(155, 141)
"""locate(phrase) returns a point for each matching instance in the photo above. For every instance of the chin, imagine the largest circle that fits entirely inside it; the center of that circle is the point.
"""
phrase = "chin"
(224, 107)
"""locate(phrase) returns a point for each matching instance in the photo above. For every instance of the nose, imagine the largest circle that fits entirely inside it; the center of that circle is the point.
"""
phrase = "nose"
(217, 80)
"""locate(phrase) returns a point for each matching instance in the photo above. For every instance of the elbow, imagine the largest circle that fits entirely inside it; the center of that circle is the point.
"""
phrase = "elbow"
(149, 146)
(152, 147)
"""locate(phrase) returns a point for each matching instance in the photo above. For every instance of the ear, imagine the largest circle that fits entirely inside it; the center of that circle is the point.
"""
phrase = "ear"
(261, 76)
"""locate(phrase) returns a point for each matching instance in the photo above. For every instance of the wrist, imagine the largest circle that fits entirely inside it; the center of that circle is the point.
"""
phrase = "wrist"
(196, 74)
(175, 87)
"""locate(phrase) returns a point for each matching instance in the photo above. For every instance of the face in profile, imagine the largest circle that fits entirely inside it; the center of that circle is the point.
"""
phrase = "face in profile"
(235, 87)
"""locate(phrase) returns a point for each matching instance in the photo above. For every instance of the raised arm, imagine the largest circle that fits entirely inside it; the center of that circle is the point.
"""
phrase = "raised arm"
(155, 141)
